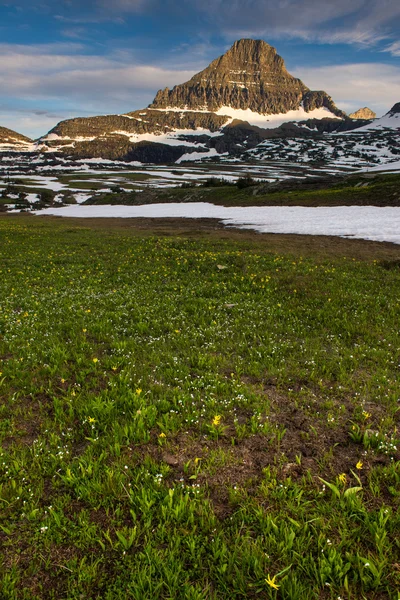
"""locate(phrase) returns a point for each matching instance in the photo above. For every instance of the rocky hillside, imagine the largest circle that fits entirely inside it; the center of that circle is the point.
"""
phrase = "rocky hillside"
(363, 113)
(251, 75)
(134, 124)
(12, 140)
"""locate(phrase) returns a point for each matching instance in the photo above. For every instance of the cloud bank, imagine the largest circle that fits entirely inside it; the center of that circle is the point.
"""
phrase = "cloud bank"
(93, 73)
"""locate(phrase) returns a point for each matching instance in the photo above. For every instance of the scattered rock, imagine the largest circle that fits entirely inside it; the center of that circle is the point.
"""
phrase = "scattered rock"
(170, 459)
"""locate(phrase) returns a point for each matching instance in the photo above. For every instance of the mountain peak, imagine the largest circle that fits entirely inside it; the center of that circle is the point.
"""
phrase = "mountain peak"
(363, 113)
(395, 109)
(250, 75)
(248, 50)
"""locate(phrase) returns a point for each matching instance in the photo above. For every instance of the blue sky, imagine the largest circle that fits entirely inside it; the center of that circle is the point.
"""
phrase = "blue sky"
(67, 58)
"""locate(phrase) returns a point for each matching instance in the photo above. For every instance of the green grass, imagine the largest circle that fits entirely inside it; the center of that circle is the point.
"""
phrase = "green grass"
(116, 178)
(195, 416)
(378, 190)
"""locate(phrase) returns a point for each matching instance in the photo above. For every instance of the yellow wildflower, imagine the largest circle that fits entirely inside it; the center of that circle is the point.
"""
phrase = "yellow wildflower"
(138, 391)
(91, 420)
(162, 435)
(95, 360)
(62, 380)
(271, 582)
(216, 420)
(342, 478)
(84, 330)
(359, 465)
(366, 415)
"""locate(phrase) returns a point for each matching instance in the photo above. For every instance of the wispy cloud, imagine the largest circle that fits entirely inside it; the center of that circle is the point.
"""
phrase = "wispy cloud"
(394, 49)
(127, 5)
(37, 72)
(363, 22)
(88, 20)
(78, 33)
(353, 86)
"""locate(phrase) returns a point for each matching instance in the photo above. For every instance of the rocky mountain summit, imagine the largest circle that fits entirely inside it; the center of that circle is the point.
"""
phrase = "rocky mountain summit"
(250, 75)
(363, 113)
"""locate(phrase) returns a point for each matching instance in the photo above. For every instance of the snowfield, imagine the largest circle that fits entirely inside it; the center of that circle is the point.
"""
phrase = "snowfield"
(380, 224)
(273, 121)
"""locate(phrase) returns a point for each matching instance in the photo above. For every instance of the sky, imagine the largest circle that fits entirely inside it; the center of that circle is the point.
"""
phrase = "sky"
(61, 59)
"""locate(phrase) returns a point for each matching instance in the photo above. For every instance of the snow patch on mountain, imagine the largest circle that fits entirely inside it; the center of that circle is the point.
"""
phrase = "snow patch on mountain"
(199, 156)
(273, 121)
(173, 138)
(388, 121)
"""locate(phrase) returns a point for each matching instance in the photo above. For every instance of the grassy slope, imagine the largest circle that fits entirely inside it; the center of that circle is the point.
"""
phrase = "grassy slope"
(171, 403)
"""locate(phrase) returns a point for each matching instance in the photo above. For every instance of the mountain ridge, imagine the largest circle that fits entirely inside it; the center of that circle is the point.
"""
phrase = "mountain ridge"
(9, 137)
(239, 100)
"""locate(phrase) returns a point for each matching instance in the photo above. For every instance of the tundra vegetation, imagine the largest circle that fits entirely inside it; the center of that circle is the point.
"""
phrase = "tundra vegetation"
(194, 413)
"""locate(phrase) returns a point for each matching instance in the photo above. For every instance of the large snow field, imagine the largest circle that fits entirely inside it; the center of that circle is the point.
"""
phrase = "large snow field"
(381, 224)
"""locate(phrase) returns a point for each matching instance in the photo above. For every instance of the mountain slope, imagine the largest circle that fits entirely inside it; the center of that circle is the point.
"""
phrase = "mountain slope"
(391, 120)
(11, 140)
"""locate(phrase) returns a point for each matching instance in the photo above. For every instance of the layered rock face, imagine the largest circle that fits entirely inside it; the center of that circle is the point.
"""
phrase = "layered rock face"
(363, 113)
(135, 123)
(145, 135)
(251, 75)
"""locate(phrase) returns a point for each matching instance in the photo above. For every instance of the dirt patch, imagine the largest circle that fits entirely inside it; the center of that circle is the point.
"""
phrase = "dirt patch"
(304, 245)
(304, 446)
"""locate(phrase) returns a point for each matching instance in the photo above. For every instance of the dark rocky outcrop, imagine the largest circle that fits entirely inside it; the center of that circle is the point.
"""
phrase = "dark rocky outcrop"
(332, 125)
(119, 148)
(394, 110)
